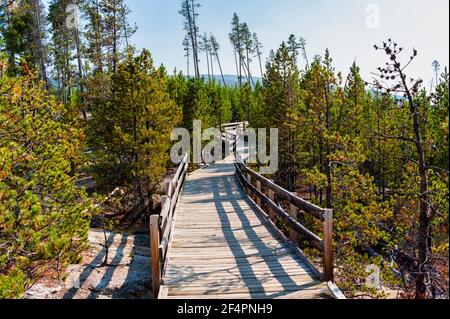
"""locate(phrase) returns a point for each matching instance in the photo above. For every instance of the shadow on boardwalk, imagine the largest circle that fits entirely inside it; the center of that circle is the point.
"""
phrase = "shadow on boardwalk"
(225, 248)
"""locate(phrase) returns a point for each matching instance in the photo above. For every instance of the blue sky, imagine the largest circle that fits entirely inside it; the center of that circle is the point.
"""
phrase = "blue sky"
(339, 25)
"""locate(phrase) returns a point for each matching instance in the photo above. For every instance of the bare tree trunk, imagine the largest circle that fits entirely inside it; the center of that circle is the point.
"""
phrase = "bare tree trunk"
(187, 65)
(194, 25)
(114, 48)
(98, 40)
(80, 71)
(207, 63)
(424, 212)
(260, 63)
(220, 67)
(193, 41)
(212, 63)
(39, 45)
(105, 261)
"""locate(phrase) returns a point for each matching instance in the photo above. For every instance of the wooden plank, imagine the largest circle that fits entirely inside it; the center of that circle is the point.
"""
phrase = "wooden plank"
(213, 242)
(304, 294)
(269, 260)
(180, 169)
(236, 282)
(187, 278)
(155, 257)
(197, 246)
(336, 292)
(229, 254)
(219, 271)
(238, 263)
(328, 267)
(163, 292)
(217, 223)
(226, 231)
(165, 210)
(223, 246)
(322, 292)
(254, 287)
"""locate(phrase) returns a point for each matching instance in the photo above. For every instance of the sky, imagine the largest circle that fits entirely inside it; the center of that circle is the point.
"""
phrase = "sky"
(349, 28)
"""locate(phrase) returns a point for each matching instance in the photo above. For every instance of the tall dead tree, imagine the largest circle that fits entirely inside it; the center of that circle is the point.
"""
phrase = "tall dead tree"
(236, 41)
(302, 44)
(392, 79)
(257, 49)
(189, 13)
(215, 47)
(187, 53)
(205, 47)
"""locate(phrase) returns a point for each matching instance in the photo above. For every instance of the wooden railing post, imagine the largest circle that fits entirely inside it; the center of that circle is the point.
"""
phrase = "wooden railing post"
(249, 179)
(271, 195)
(328, 267)
(156, 261)
(293, 212)
(258, 199)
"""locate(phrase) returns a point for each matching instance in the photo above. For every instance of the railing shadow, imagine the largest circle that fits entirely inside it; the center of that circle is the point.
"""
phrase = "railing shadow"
(87, 271)
(111, 282)
(137, 282)
(245, 267)
(226, 193)
(110, 270)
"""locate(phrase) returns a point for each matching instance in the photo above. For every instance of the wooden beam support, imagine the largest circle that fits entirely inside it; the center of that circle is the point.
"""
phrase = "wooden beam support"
(155, 254)
(271, 195)
(258, 199)
(328, 267)
(293, 212)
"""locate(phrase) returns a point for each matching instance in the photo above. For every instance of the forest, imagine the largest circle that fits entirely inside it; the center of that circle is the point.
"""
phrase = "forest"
(79, 102)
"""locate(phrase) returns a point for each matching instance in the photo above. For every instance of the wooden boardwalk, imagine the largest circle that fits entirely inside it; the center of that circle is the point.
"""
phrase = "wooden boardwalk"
(223, 246)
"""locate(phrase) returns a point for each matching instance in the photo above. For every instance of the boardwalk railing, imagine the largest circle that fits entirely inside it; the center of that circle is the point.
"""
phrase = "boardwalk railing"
(235, 125)
(268, 193)
(161, 226)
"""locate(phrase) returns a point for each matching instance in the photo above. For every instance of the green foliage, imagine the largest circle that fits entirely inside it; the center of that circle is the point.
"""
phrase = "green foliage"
(130, 128)
(350, 149)
(44, 217)
(207, 101)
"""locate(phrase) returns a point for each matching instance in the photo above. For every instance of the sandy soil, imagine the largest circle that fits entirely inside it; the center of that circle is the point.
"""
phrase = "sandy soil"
(127, 275)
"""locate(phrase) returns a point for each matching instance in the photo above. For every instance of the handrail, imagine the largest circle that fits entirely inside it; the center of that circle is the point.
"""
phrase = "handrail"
(237, 124)
(161, 226)
(266, 199)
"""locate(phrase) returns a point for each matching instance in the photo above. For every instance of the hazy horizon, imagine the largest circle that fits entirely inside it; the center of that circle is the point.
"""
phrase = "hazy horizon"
(342, 28)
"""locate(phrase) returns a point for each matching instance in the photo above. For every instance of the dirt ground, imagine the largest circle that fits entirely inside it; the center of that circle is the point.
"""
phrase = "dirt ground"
(127, 275)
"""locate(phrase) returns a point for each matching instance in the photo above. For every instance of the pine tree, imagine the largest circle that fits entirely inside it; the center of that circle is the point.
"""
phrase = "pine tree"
(257, 49)
(189, 12)
(187, 53)
(131, 130)
(116, 29)
(44, 215)
(23, 29)
(215, 47)
(282, 102)
(62, 50)
(94, 34)
(237, 42)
